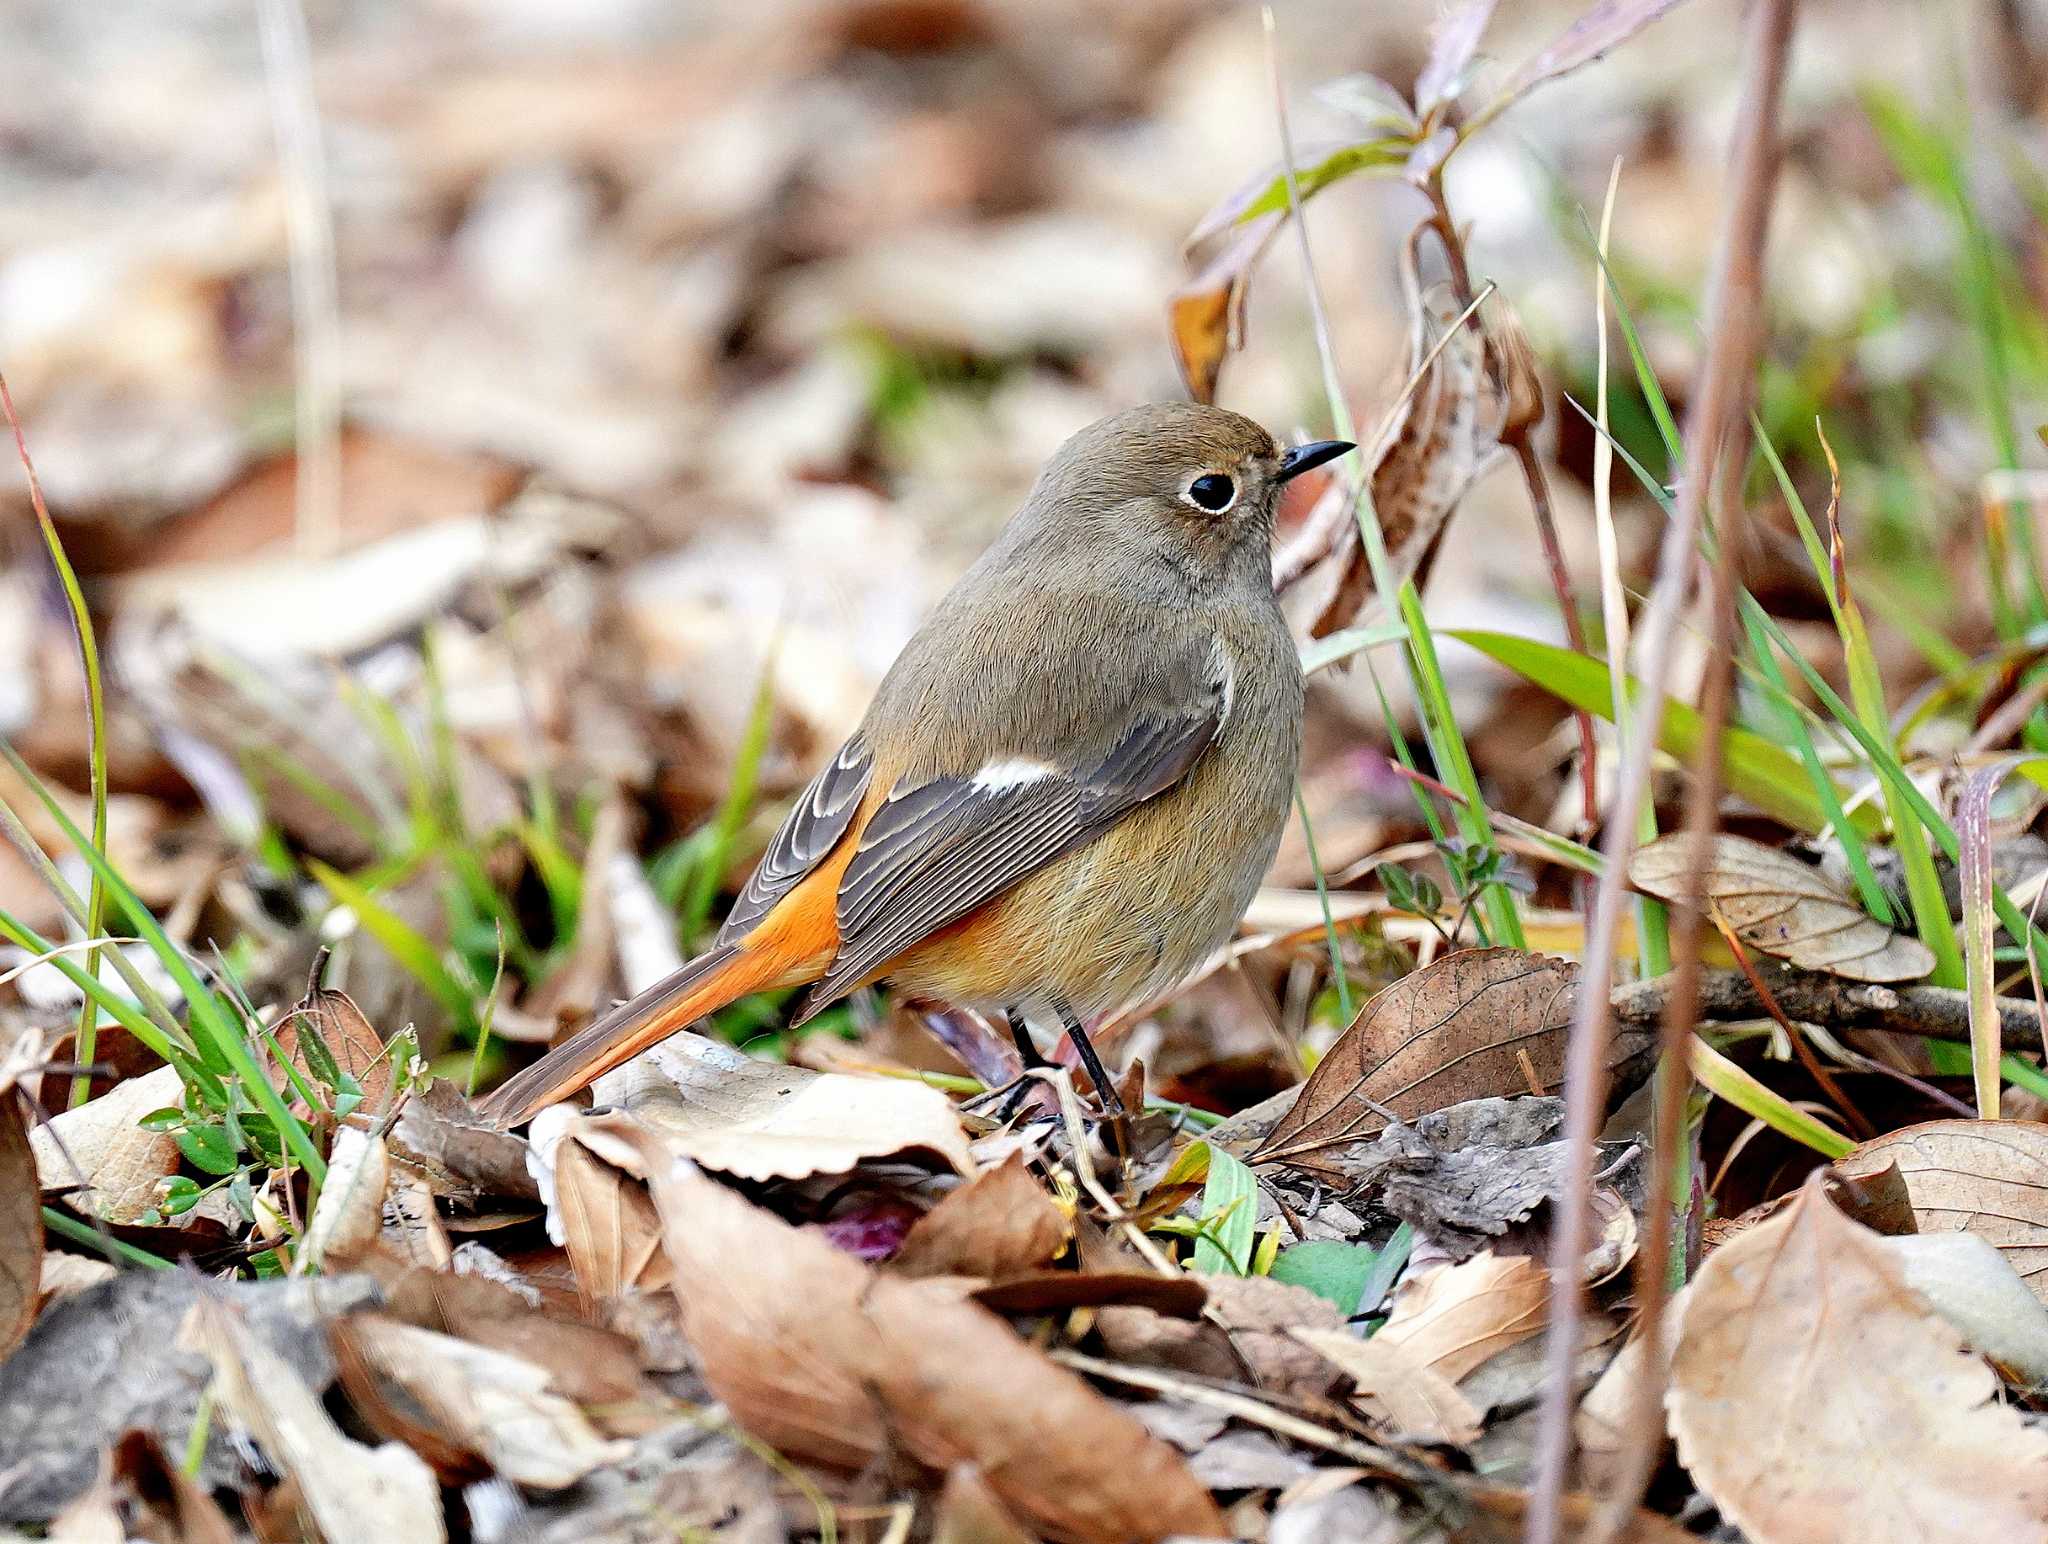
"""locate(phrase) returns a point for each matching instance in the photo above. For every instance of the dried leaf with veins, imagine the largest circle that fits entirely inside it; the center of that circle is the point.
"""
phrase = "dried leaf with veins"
(768, 1120)
(1989, 1178)
(1411, 1399)
(998, 1224)
(1455, 1030)
(1816, 1397)
(350, 1039)
(100, 1145)
(21, 1226)
(1780, 906)
(608, 1226)
(830, 1361)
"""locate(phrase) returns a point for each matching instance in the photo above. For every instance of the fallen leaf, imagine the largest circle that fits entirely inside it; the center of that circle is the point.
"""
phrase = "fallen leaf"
(1249, 1325)
(1780, 906)
(21, 1227)
(489, 1403)
(440, 1135)
(100, 1145)
(1455, 1317)
(1987, 1177)
(1412, 1400)
(326, 1032)
(1178, 1297)
(1205, 316)
(1453, 1031)
(352, 1491)
(1970, 1284)
(172, 1504)
(64, 1274)
(969, 1512)
(828, 1360)
(348, 1219)
(1499, 1517)
(608, 1225)
(997, 1224)
(764, 1120)
(1816, 1397)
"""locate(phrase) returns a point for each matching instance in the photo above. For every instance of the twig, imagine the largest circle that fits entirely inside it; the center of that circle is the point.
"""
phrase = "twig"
(1732, 299)
(1933, 1012)
(316, 303)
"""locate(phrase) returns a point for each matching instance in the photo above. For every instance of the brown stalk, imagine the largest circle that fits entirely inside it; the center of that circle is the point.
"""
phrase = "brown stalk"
(1826, 1079)
(1733, 300)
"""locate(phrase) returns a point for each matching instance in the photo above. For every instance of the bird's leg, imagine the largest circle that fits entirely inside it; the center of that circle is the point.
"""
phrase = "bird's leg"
(1085, 1049)
(1028, 1053)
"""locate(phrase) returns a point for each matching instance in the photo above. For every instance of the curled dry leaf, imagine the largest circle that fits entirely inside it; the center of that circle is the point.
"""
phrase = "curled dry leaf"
(827, 1360)
(352, 1491)
(100, 1145)
(607, 1224)
(1987, 1177)
(495, 1407)
(348, 1219)
(1780, 906)
(1405, 1395)
(21, 1227)
(1456, 1030)
(1815, 1396)
(996, 1225)
(768, 1120)
(1451, 1319)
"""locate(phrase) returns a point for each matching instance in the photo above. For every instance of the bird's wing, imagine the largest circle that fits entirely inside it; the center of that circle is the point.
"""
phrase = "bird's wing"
(937, 848)
(812, 830)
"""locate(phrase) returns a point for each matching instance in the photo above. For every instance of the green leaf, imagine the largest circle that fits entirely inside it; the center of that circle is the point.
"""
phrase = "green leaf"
(1769, 777)
(209, 1148)
(181, 1194)
(1329, 1269)
(1230, 1206)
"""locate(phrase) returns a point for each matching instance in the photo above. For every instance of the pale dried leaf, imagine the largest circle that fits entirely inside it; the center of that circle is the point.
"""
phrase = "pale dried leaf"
(764, 1120)
(1448, 1033)
(1411, 1399)
(100, 1145)
(1607, 25)
(1247, 1326)
(997, 1224)
(1452, 42)
(21, 1227)
(64, 1274)
(825, 1359)
(970, 1513)
(1970, 1284)
(490, 1402)
(607, 1224)
(1453, 1318)
(1989, 1178)
(1816, 1397)
(348, 1219)
(1780, 906)
(352, 1491)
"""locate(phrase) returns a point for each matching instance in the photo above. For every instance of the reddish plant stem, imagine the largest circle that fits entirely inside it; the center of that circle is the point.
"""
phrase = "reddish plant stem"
(1733, 301)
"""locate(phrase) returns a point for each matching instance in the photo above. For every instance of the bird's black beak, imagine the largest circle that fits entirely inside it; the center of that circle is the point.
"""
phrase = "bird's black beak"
(1304, 457)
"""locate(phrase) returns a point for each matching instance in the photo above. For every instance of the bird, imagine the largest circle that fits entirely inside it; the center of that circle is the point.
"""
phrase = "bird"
(1067, 787)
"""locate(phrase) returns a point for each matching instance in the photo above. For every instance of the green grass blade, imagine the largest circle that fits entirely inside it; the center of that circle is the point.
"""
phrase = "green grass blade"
(1729, 1081)
(1315, 863)
(405, 943)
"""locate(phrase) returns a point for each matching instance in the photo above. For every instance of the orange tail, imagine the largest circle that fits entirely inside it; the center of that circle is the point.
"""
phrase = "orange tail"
(700, 988)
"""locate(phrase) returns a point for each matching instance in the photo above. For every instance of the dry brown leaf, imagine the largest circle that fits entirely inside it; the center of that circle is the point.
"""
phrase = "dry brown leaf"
(1178, 1297)
(21, 1227)
(969, 1512)
(124, 1165)
(1499, 1517)
(1816, 1397)
(1249, 1326)
(351, 1491)
(1410, 1398)
(1455, 1030)
(764, 1120)
(996, 1225)
(488, 1403)
(348, 1219)
(172, 1505)
(1453, 1318)
(1987, 1177)
(1781, 906)
(351, 1039)
(64, 1274)
(1205, 316)
(609, 1227)
(830, 1361)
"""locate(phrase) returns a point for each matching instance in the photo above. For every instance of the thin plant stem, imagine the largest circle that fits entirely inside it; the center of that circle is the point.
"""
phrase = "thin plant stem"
(1734, 294)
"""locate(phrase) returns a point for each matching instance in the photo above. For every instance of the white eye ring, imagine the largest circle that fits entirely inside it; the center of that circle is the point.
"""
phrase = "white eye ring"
(1204, 486)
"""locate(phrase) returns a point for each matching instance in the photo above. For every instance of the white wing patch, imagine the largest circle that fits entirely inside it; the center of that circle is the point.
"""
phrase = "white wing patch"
(1016, 772)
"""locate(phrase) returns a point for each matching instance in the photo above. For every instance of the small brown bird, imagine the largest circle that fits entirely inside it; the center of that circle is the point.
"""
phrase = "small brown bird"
(1069, 783)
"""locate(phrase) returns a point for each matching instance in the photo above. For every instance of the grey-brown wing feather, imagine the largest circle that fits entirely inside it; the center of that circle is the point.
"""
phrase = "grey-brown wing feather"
(934, 851)
(812, 830)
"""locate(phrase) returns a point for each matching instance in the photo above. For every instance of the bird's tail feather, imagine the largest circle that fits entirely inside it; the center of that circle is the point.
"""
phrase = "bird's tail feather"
(722, 975)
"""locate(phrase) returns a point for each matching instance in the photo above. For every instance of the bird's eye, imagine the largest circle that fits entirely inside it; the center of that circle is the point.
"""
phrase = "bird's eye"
(1212, 491)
